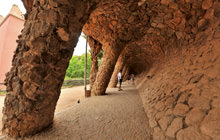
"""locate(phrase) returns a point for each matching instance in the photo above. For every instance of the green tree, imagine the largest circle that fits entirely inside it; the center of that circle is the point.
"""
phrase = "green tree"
(76, 66)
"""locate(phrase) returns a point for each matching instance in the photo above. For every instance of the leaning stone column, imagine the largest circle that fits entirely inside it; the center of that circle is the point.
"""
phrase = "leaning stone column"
(39, 64)
(125, 73)
(109, 60)
(114, 79)
(95, 49)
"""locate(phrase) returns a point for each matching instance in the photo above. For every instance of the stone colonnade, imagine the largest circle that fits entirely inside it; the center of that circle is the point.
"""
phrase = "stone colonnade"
(111, 54)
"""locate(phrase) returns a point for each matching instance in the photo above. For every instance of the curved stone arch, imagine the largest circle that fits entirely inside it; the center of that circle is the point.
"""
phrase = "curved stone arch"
(161, 27)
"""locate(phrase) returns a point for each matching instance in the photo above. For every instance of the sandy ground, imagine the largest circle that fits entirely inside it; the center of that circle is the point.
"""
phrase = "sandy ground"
(68, 98)
(119, 115)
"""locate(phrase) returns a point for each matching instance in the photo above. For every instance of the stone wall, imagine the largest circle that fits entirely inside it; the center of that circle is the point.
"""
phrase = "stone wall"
(172, 46)
(181, 94)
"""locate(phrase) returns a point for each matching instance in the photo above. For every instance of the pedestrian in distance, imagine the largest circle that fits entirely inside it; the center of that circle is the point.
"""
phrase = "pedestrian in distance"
(119, 80)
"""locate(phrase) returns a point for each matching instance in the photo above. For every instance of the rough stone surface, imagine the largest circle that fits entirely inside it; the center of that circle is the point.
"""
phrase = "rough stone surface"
(164, 122)
(28, 4)
(175, 126)
(211, 124)
(191, 133)
(195, 116)
(172, 47)
(95, 49)
(38, 68)
(180, 109)
(199, 102)
(206, 4)
(187, 86)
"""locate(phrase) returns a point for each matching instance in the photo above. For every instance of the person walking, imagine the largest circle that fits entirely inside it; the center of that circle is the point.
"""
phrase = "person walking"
(119, 80)
(128, 79)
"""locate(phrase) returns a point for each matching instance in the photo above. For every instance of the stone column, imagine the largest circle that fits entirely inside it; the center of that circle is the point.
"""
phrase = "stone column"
(28, 4)
(111, 54)
(39, 64)
(95, 49)
(125, 73)
(114, 79)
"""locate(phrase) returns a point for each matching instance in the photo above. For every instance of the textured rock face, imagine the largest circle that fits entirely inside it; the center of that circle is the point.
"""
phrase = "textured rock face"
(95, 49)
(39, 64)
(171, 46)
(28, 4)
(175, 58)
(184, 88)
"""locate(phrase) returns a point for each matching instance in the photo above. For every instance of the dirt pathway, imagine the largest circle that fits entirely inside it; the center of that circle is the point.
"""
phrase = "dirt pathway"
(68, 98)
(117, 116)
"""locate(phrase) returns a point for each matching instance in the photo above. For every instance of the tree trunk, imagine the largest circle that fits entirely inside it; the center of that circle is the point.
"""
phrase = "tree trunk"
(109, 60)
(39, 65)
(95, 49)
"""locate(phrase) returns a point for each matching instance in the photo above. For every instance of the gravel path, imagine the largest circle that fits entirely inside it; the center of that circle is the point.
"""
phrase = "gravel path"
(117, 116)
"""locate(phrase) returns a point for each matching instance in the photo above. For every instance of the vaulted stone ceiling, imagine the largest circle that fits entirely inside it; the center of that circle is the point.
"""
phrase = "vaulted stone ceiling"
(154, 26)
(133, 34)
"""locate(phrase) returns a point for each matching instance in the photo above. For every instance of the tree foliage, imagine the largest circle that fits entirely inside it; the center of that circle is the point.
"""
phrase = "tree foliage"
(77, 65)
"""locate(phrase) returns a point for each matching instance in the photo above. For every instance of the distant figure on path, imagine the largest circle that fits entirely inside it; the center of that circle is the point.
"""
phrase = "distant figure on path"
(119, 80)
(128, 79)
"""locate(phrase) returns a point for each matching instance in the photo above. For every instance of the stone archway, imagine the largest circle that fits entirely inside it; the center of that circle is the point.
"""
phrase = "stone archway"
(168, 39)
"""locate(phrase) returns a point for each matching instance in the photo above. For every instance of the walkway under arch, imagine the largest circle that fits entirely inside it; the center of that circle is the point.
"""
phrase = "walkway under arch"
(119, 115)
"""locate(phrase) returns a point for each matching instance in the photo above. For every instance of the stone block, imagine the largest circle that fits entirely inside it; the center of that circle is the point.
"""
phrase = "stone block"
(180, 109)
(211, 124)
(29, 90)
(63, 34)
(216, 103)
(191, 133)
(206, 4)
(158, 134)
(165, 2)
(195, 116)
(199, 102)
(175, 126)
(203, 24)
(159, 115)
(152, 122)
(179, 35)
(161, 26)
(169, 112)
(209, 14)
(173, 5)
(160, 106)
(183, 97)
(164, 122)
(176, 21)
(169, 103)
